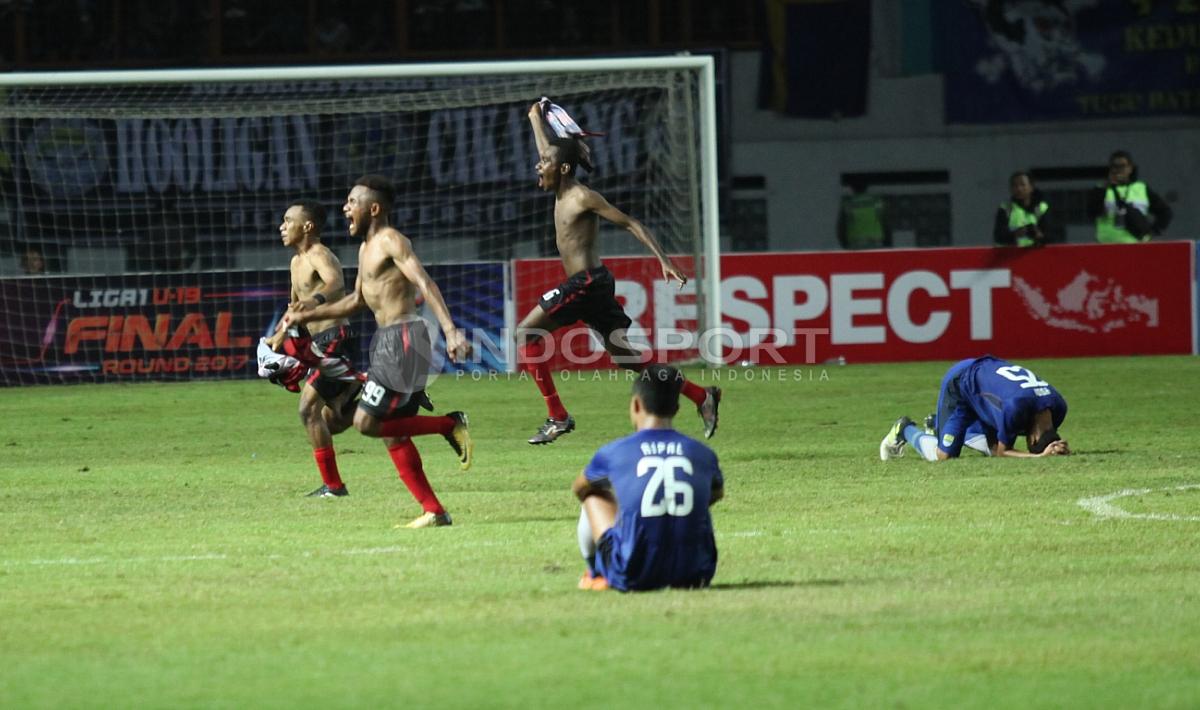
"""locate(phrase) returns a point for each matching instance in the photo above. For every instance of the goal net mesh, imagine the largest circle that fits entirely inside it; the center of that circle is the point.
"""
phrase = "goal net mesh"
(139, 222)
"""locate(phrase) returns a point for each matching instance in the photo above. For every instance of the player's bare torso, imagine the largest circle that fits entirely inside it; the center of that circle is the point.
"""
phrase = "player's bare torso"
(306, 281)
(389, 295)
(575, 230)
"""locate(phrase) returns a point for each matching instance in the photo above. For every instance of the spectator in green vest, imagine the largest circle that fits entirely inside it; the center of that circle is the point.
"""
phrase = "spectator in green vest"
(1125, 209)
(1025, 220)
(862, 220)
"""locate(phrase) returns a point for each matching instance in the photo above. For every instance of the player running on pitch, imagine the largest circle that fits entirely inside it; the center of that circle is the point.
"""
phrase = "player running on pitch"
(316, 276)
(986, 403)
(588, 294)
(389, 277)
(645, 522)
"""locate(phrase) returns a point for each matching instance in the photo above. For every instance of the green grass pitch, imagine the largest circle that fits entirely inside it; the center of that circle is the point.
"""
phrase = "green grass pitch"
(157, 552)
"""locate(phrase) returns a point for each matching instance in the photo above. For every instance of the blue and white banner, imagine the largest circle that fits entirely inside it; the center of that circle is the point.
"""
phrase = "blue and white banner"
(1016, 60)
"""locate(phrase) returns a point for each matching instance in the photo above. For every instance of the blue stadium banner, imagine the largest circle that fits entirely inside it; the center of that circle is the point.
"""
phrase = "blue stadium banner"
(129, 178)
(815, 62)
(1073, 59)
(192, 326)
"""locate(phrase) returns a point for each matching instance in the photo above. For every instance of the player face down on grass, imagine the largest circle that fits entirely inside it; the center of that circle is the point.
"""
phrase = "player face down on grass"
(986, 404)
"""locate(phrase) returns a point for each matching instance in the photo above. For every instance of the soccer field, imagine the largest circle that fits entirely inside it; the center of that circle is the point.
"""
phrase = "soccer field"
(158, 552)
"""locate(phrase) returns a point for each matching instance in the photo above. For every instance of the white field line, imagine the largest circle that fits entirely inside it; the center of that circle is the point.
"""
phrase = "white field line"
(474, 543)
(106, 560)
(217, 557)
(1102, 506)
(78, 561)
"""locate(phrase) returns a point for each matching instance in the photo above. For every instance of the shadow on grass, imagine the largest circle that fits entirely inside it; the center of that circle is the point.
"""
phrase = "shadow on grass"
(531, 519)
(760, 456)
(778, 583)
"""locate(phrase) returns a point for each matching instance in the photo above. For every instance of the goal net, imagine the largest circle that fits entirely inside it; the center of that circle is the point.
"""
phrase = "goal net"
(139, 211)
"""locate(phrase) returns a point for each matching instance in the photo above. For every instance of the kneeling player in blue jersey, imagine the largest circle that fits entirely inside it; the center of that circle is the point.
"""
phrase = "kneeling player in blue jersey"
(986, 403)
(645, 522)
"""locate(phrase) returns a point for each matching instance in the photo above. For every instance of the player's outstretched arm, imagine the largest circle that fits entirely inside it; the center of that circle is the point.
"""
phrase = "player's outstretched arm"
(539, 127)
(1056, 448)
(400, 249)
(595, 202)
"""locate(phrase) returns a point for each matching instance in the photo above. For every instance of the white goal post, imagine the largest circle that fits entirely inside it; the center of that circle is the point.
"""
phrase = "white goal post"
(61, 132)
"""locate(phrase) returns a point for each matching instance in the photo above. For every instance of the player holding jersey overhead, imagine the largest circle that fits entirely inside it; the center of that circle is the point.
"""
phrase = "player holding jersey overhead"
(389, 276)
(645, 522)
(316, 273)
(588, 294)
(986, 403)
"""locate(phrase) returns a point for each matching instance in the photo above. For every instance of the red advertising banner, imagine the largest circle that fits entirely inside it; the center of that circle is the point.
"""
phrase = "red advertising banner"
(655, 306)
(907, 304)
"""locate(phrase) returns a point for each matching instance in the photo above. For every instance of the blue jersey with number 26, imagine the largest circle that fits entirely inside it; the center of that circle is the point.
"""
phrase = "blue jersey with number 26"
(663, 482)
(1004, 397)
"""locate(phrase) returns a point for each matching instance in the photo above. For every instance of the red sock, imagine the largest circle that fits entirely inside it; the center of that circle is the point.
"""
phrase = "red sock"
(408, 465)
(327, 465)
(693, 391)
(531, 361)
(416, 426)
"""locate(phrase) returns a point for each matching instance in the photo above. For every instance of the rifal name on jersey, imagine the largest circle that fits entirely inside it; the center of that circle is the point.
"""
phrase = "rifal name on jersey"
(651, 448)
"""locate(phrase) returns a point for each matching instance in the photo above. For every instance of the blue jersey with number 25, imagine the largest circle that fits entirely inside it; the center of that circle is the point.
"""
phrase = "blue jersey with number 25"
(663, 482)
(1004, 397)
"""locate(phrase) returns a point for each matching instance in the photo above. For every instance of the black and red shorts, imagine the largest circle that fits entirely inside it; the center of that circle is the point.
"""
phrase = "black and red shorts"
(338, 341)
(589, 296)
(401, 365)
